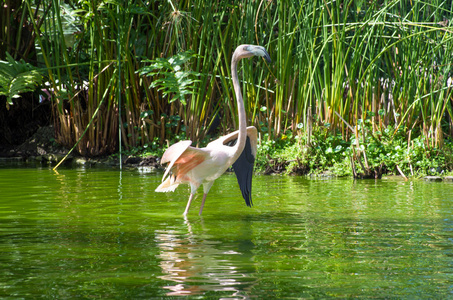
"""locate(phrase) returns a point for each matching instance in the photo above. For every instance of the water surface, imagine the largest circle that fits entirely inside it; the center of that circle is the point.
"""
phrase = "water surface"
(105, 233)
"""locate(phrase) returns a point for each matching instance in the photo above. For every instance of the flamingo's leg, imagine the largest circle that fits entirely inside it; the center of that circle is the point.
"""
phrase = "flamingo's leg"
(202, 203)
(188, 203)
(206, 188)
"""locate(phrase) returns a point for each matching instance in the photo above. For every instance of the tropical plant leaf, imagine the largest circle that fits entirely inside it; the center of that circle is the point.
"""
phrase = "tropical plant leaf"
(171, 78)
(17, 77)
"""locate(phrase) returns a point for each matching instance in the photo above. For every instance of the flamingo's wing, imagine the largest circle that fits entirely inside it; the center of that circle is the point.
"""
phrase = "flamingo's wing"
(182, 158)
(243, 166)
(172, 154)
(175, 151)
(230, 139)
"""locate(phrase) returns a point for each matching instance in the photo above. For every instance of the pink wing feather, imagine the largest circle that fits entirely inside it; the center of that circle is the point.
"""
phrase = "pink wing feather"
(172, 154)
(182, 158)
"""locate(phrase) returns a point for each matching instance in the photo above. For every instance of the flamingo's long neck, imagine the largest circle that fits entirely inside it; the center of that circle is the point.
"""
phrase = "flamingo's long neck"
(242, 137)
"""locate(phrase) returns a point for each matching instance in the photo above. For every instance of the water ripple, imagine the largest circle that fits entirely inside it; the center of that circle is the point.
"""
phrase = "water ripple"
(106, 234)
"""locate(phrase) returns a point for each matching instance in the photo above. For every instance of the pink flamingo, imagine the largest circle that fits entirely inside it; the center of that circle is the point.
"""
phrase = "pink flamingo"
(197, 166)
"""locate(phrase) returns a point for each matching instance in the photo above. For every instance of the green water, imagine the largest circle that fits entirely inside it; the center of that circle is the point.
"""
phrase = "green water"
(104, 233)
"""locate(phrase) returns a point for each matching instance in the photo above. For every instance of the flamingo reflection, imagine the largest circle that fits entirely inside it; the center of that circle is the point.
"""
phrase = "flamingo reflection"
(198, 265)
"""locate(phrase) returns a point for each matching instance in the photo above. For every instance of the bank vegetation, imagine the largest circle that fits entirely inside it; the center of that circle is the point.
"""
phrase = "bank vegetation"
(365, 86)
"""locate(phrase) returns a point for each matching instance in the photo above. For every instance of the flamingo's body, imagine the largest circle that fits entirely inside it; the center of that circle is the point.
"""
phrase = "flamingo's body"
(201, 166)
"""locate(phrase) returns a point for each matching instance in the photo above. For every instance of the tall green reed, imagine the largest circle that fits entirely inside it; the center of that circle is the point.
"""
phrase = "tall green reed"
(335, 64)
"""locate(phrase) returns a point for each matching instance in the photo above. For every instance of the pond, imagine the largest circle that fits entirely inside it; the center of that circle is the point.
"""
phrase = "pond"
(105, 233)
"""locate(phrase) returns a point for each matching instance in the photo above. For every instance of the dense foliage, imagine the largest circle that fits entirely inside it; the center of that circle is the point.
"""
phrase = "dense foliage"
(366, 82)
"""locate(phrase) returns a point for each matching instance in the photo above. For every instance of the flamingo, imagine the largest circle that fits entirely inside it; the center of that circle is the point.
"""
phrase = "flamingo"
(202, 166)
